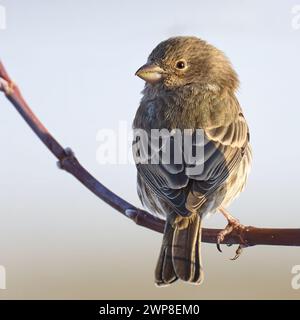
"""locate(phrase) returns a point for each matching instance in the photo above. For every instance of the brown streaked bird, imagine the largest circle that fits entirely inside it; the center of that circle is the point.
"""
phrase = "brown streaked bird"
(190, 84)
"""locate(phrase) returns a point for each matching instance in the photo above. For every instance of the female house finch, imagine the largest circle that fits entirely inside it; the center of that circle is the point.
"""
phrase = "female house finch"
(191, 85)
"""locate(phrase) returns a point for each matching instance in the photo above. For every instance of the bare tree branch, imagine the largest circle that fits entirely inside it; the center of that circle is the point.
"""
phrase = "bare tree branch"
(246, 236)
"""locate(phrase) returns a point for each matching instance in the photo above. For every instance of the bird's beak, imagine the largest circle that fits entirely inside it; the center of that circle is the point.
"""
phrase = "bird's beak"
(151, 73)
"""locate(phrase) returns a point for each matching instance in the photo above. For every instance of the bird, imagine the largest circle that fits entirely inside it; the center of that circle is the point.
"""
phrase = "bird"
(190, 86)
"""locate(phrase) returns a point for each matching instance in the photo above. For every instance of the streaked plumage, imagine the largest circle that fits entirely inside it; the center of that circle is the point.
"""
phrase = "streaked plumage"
(202, 96)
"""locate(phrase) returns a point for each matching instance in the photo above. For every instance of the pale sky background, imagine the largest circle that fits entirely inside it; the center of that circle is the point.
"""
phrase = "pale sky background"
(75, 63)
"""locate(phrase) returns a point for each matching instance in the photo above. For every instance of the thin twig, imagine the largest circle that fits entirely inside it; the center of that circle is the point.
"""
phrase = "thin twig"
(247, 236)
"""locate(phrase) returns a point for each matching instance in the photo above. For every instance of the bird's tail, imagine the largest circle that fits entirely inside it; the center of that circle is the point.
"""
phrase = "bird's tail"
(180, 256)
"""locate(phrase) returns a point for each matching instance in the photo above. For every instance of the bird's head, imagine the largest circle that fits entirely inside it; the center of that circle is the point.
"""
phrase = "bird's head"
(188, 61)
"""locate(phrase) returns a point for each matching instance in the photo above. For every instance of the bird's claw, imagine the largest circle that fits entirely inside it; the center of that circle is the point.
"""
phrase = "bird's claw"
(219, 246)
(220, 238)
(69, 154)
(238, 252)
(233, 224)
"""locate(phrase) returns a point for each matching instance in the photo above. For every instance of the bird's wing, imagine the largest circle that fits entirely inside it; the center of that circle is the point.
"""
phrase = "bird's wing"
(187, 186)
(166, 180)
(223, 154)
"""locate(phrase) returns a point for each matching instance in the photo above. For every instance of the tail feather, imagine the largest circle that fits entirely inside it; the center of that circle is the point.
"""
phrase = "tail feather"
(180, 255)
(164, 272)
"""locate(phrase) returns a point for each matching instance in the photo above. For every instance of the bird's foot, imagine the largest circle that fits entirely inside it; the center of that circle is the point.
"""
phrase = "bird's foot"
(69, 154)
(233, 226)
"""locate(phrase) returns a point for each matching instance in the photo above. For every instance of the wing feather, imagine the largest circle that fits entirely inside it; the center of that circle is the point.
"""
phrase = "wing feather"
(184, 191)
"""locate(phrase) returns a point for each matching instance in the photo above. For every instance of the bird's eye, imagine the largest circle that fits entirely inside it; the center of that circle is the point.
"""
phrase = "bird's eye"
(181, 64)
